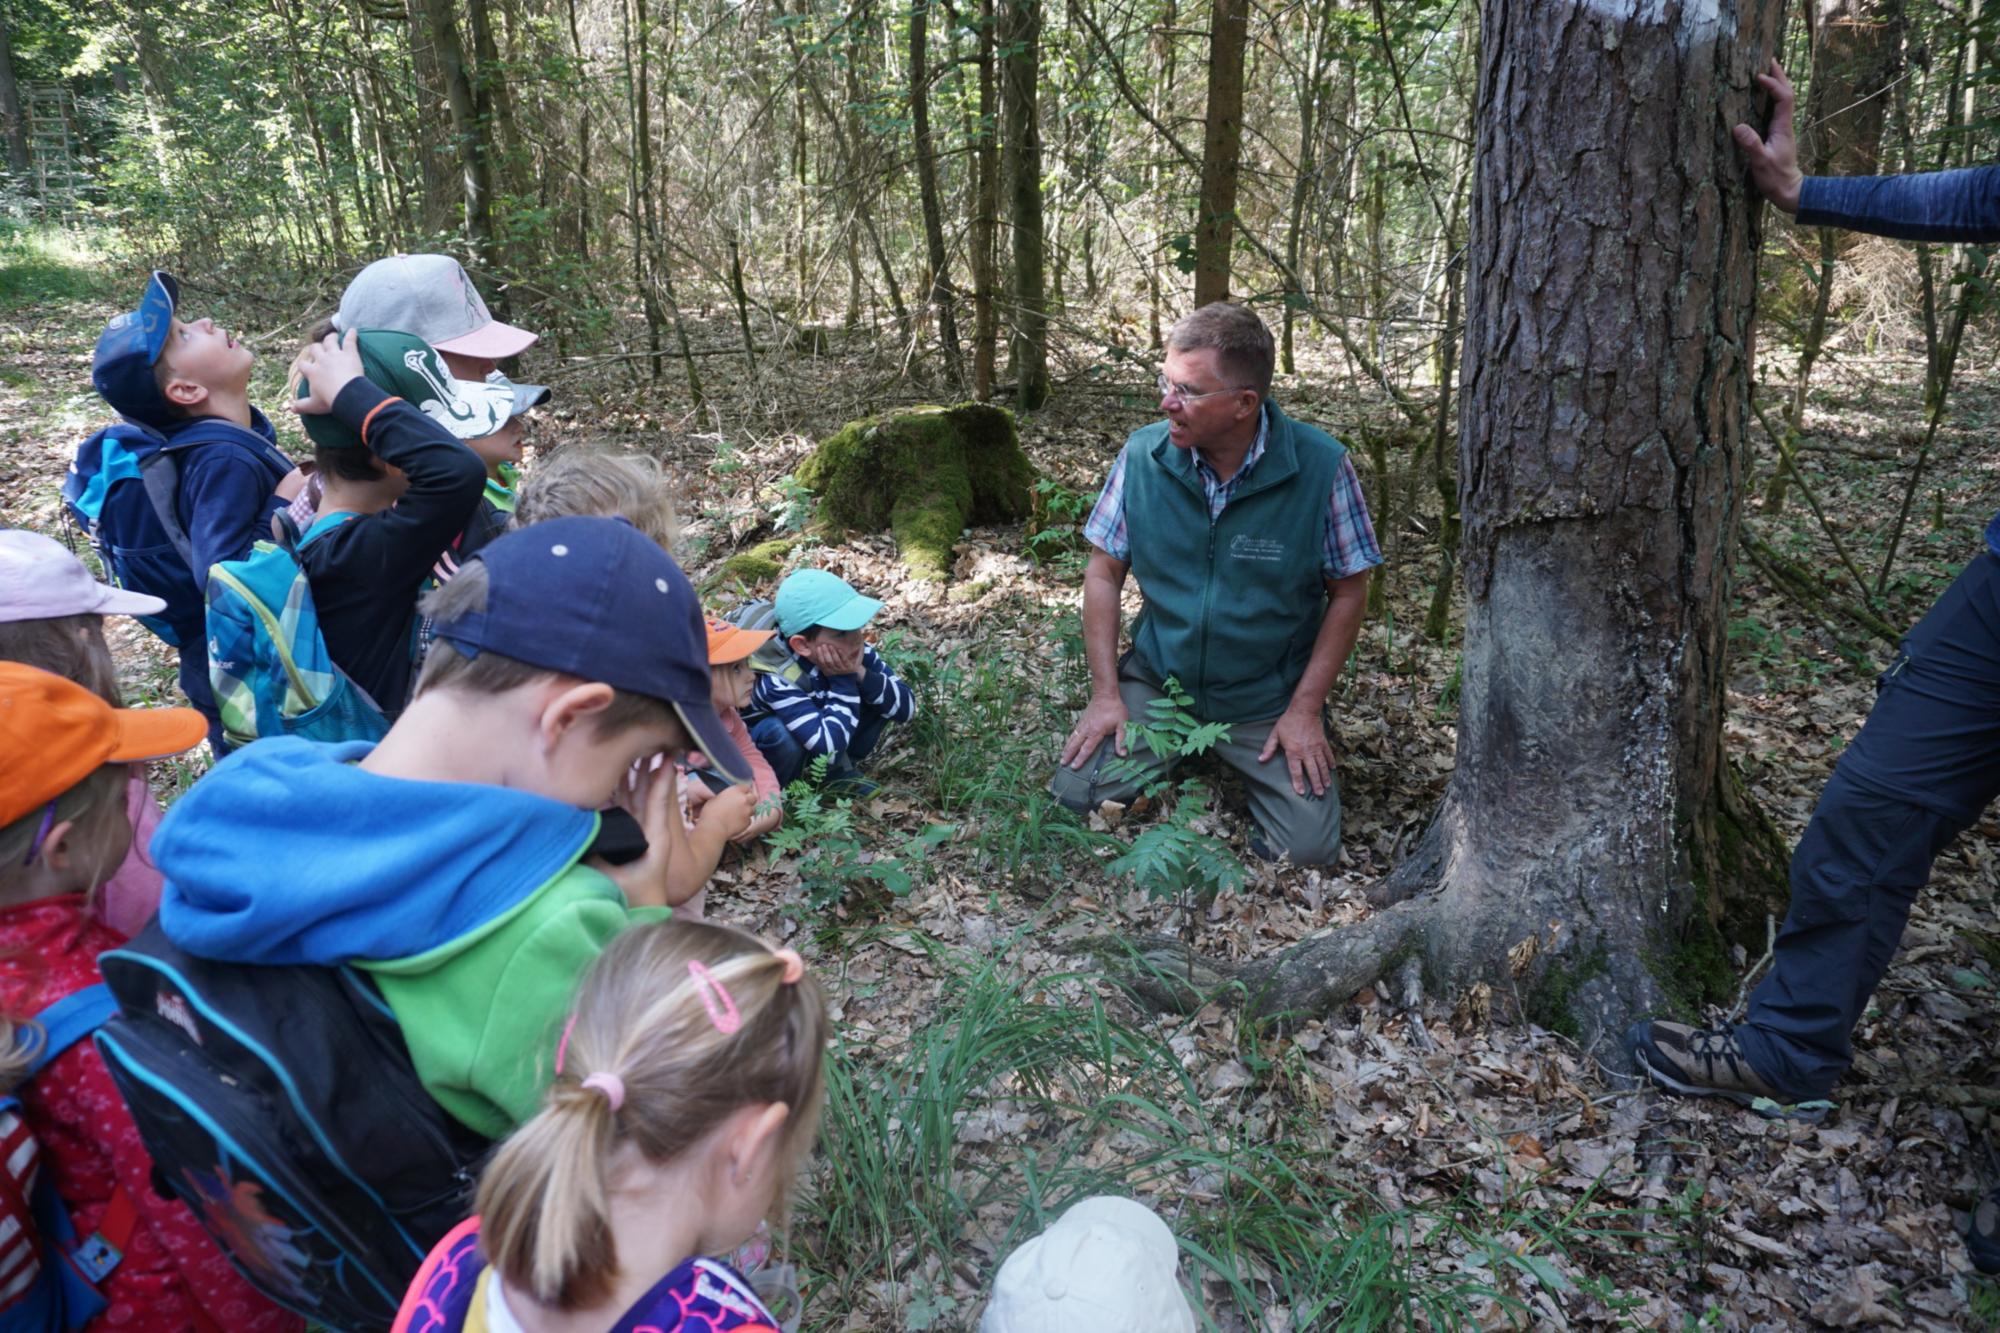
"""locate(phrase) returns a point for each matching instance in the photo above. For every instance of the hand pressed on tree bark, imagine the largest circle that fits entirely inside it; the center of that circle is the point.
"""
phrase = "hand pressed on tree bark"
(1774, 159)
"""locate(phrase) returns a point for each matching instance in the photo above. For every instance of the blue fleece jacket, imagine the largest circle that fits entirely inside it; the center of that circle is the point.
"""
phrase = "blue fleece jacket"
(227, 493)
(288, 852)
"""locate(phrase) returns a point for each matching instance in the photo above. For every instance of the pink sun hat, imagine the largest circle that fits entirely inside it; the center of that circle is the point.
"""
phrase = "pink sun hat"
(431, 297)
(40, 580)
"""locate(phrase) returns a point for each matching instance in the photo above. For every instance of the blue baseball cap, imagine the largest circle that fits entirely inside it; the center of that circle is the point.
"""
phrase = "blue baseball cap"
(811, 597)
(597, 599)
(121, 370)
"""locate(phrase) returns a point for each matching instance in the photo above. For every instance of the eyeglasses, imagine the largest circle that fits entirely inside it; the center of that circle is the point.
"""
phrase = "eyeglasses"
(1184, 395)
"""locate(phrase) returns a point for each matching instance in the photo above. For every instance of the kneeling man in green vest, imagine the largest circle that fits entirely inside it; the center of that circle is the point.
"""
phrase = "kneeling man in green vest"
(1251, 541)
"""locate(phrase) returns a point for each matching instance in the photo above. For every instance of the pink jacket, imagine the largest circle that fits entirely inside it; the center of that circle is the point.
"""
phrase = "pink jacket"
(762, 778)
(127, 901)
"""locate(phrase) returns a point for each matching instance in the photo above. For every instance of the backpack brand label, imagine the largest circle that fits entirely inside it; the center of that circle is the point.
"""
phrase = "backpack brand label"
(174, 1009)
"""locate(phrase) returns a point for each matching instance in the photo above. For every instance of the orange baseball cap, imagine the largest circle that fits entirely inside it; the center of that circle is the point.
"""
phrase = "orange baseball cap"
(54, 733)
(729, 643)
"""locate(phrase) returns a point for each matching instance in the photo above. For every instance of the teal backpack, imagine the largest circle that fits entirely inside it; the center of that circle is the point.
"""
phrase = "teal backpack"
(267, 659)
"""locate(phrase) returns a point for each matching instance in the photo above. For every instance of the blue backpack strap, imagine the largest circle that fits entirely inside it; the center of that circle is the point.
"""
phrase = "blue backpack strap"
(71, 1019)
(66, 1295)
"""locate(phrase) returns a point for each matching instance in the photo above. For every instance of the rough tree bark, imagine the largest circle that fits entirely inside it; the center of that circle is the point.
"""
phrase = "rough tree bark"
(1592, 832)
(1222, 144)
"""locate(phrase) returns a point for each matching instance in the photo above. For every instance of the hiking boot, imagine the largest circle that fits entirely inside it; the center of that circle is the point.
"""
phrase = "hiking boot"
(1707, 1062)
(1982, 1237)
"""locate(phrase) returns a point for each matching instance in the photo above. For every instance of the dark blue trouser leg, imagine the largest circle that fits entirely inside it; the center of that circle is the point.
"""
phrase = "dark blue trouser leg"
(789, 760)
(1925, 765)
(194, 684)
(780, 749)
(868, 731)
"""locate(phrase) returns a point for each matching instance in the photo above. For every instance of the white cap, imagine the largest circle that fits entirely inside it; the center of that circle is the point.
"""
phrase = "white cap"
(40, 580)
(1108, 1265)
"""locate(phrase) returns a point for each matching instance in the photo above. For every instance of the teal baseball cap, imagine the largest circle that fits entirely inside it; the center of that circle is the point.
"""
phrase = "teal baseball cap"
(811, 597)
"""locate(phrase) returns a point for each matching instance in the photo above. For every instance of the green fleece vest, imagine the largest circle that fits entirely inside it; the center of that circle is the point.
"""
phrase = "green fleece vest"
(1233, 605)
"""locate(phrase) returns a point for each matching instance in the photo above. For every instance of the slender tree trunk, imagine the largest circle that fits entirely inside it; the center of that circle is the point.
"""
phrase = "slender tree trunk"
(498, 142)
(302, 92)
(13, 121)
(1029, 350)
(941, 295)
(1314, 93)
(1857, 50)
(443, 195)
(1222, 145)
(1592, 835)
(985, 214)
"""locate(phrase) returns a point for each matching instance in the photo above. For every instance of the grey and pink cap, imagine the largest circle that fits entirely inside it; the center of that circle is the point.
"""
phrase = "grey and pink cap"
(431, 297)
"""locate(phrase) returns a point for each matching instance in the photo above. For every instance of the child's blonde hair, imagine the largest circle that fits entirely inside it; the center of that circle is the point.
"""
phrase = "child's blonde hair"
(91, 804)
(643, 1014)
(591, 483)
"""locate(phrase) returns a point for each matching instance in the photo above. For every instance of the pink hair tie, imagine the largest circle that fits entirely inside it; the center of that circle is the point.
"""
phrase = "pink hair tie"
(562, 1047)
(612, 1086)
(795, 966)
(721, 1008)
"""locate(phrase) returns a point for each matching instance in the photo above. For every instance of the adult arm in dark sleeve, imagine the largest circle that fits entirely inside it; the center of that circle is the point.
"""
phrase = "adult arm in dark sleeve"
(401, 543)
(1955, 206)
(1949, 206)
(226, 505)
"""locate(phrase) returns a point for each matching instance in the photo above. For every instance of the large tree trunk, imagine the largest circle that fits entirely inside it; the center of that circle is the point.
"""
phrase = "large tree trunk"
(13, 121)
(1029, 350)
(1222, 144)
(1592, 830)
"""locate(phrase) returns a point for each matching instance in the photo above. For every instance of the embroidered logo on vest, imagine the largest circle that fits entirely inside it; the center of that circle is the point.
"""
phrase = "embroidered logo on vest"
(1245, 547)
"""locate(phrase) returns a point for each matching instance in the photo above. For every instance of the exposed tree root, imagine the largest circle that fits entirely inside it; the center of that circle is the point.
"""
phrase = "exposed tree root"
(1307, 979)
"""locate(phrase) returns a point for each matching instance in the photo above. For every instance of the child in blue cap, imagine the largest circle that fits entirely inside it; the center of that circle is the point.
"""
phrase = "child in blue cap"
(834, 698)
(183, 389)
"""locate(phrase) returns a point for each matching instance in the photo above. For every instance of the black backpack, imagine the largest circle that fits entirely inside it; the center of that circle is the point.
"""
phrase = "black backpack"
(280, 1104)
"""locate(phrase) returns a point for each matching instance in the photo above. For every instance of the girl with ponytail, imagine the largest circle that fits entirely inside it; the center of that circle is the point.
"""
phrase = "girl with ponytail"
(687, 1091)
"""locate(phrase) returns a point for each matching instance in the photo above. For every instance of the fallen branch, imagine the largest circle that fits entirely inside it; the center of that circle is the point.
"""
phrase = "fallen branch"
(1802, 583)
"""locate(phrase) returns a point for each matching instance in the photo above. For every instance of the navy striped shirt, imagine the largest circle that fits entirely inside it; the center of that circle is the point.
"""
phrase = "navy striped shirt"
(822, 711)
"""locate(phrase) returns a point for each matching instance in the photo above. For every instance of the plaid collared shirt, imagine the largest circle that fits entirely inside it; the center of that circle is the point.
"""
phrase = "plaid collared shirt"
(1350, 536)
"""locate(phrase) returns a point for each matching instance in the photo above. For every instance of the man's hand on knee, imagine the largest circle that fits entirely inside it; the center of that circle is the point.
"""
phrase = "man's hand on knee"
(1101, 718)
(1302, 736)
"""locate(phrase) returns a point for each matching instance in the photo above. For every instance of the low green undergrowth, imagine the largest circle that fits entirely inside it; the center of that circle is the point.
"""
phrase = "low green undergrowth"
(939, 1155)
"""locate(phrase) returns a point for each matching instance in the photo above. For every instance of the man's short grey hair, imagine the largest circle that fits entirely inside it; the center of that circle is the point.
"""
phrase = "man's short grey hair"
(1242, 344)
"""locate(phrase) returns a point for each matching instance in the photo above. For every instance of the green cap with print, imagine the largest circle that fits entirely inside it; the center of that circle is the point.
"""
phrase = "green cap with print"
(411, 369)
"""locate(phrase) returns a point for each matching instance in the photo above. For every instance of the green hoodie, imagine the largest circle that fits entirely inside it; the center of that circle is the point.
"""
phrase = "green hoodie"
(482, 1013)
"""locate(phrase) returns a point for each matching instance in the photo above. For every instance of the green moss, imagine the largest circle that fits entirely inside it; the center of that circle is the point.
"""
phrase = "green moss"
(925, 475)
(759, 565)
(1551, 1001)
(1696, 970)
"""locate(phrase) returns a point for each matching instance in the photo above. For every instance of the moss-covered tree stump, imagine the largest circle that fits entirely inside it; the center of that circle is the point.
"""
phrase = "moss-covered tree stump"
(925, 475)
